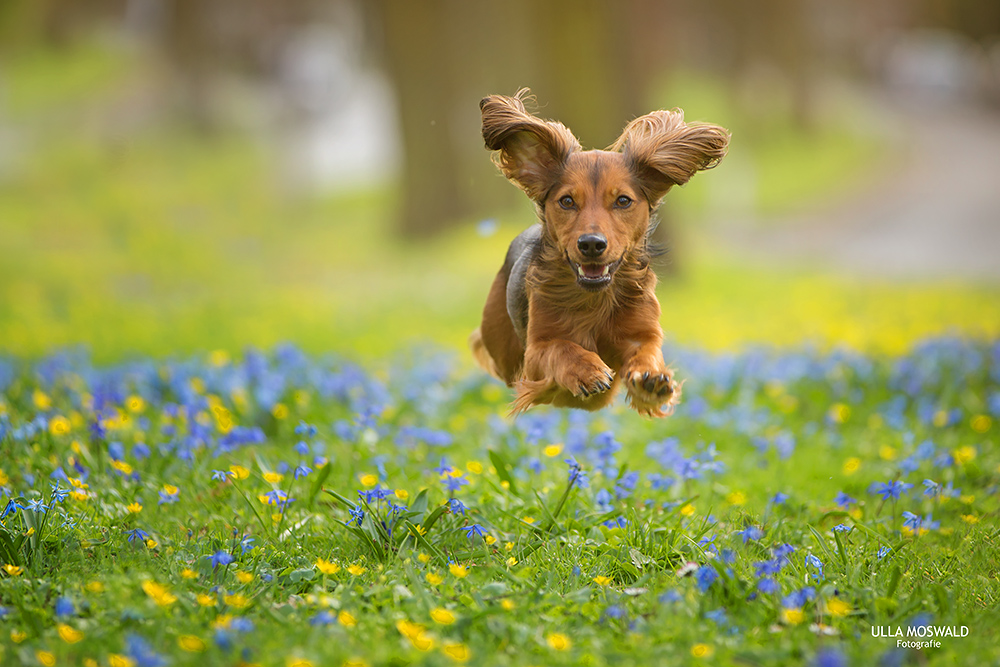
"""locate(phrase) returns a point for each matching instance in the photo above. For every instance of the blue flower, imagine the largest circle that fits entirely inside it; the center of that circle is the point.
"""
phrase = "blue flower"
(65, 607)
(323, 617)
(221, 558)
(220, 475)
(779, 498)
(137, 534)
(798, 599)
(142, 653)
(813, 561)
(768, 586)
(456, 506)
(751, 533)
(767, 568)
(892, 489)
(843, 500)
(842, 528)
(474, 530)
(302, 470)
(37, 506)
(883, 552)
(830, 656)
(357, 515)
(705, 576)
(911, 521)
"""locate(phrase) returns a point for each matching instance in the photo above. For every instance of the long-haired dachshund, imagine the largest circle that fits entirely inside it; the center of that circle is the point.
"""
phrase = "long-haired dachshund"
(573, 309)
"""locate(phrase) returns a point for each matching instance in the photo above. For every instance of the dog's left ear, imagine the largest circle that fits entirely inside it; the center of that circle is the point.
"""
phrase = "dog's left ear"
(662, 150)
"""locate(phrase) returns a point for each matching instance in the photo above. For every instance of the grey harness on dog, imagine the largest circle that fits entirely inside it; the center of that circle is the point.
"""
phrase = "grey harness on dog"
(522, 252)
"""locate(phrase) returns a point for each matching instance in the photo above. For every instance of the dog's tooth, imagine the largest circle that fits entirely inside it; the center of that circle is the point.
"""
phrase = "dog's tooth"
(579, 269)
(607, 267)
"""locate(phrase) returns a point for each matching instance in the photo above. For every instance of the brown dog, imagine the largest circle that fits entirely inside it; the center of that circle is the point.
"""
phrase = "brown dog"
(573, 309)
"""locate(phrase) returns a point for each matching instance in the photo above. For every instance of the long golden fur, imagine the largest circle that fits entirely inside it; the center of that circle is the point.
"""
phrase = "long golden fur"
(573, 314)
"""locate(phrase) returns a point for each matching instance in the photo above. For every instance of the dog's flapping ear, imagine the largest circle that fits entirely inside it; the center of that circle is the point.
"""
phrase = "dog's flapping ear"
(531, 151)
(662, 150)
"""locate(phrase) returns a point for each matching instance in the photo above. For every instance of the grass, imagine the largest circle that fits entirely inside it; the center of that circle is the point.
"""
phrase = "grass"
(288, 509)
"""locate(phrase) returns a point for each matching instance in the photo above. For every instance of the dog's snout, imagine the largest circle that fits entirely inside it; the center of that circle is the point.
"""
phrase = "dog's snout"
(592, 245)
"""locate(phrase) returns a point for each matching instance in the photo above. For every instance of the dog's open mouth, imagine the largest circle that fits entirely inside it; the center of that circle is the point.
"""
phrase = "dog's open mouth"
(593, 276)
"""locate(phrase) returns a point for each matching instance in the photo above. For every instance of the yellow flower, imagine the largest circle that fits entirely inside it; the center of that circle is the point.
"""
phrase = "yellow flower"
(981, 423)
(206, 600)
(188, 573)
(553, 450)
(327, 567)
(687, 510)
(851, 465)
(69, 634)
(792, 616)
(134, 508)
(346, 619)
(41, 400)
(4, 479)
(119, 660)
(736, 498)
(558, 641)
(837, 607)
(368, 479)
(702, 651)
(273, 477)
(941, 418)
(13, 570)
(489, 539)
(887, 453)
(839, 413)
(59, 425)
(507, 604)
(602, 580)
(509, 546)
(298, 662)
(459, 571)
(17, 636)
(236, 600)
(475, 467)
(151, 543)
(458, 652)
(244, 577)
(433, 578)
(95, 586)
(357, 570)
(528, 519)
(354, 662)
(442, 616)
(122, 467)
(420, 530)
(239, 472)
(970, 518)
(47, 658)
(280, 411)
(402, 494)
(135, 404)
(511, 562)
(191, 644)
(159, 594)
(964, 454)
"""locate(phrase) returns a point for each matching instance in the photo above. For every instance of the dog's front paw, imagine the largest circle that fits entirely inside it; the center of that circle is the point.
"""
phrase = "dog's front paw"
(587, 379)
(653, 392)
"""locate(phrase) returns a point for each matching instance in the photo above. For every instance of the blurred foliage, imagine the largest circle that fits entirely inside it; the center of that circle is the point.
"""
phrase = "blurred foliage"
(166, 242)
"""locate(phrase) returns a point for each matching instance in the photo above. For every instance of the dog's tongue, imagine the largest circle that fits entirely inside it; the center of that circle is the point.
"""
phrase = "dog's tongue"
(592, 270)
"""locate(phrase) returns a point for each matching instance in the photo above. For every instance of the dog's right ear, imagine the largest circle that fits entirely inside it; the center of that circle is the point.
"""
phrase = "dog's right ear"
(531, 151)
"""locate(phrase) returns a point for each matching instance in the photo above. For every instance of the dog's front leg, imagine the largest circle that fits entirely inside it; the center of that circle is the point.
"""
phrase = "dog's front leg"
(552, 367)
(651, 388)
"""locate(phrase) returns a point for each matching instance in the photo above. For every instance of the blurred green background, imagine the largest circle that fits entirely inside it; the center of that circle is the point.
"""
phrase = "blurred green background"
(178, 176)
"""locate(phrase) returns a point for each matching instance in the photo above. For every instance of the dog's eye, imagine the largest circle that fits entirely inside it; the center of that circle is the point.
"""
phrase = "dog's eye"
(623, 202)
(566, 201)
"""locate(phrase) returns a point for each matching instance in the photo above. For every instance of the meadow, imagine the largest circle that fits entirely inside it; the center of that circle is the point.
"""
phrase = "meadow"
(180, 484)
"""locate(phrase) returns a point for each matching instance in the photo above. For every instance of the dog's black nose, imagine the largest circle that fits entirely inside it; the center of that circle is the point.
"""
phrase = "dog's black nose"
(592, 245)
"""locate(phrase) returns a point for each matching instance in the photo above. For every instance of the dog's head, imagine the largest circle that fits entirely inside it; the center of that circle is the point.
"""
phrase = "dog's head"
(597, 205)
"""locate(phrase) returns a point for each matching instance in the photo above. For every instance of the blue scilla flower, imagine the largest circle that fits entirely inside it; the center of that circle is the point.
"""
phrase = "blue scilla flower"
(883, 552)
(893, 489)
(221, 557)
(779, 498)
(321, 618)
(137, 534)
(751, 533)
(357, 515)
(456, 506)
(843, 500)
(842, 528)
(301, 448)
(64, 607)
(911, 521)
(220, 475)
(705, 576)
(767, 568)
(816, 563)
(139, 650)
(768, 586)
(302, 470)
(12, 506)
(37, 506)
(473, 531)
(453, 484)
(670, 597)
(798, 599)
